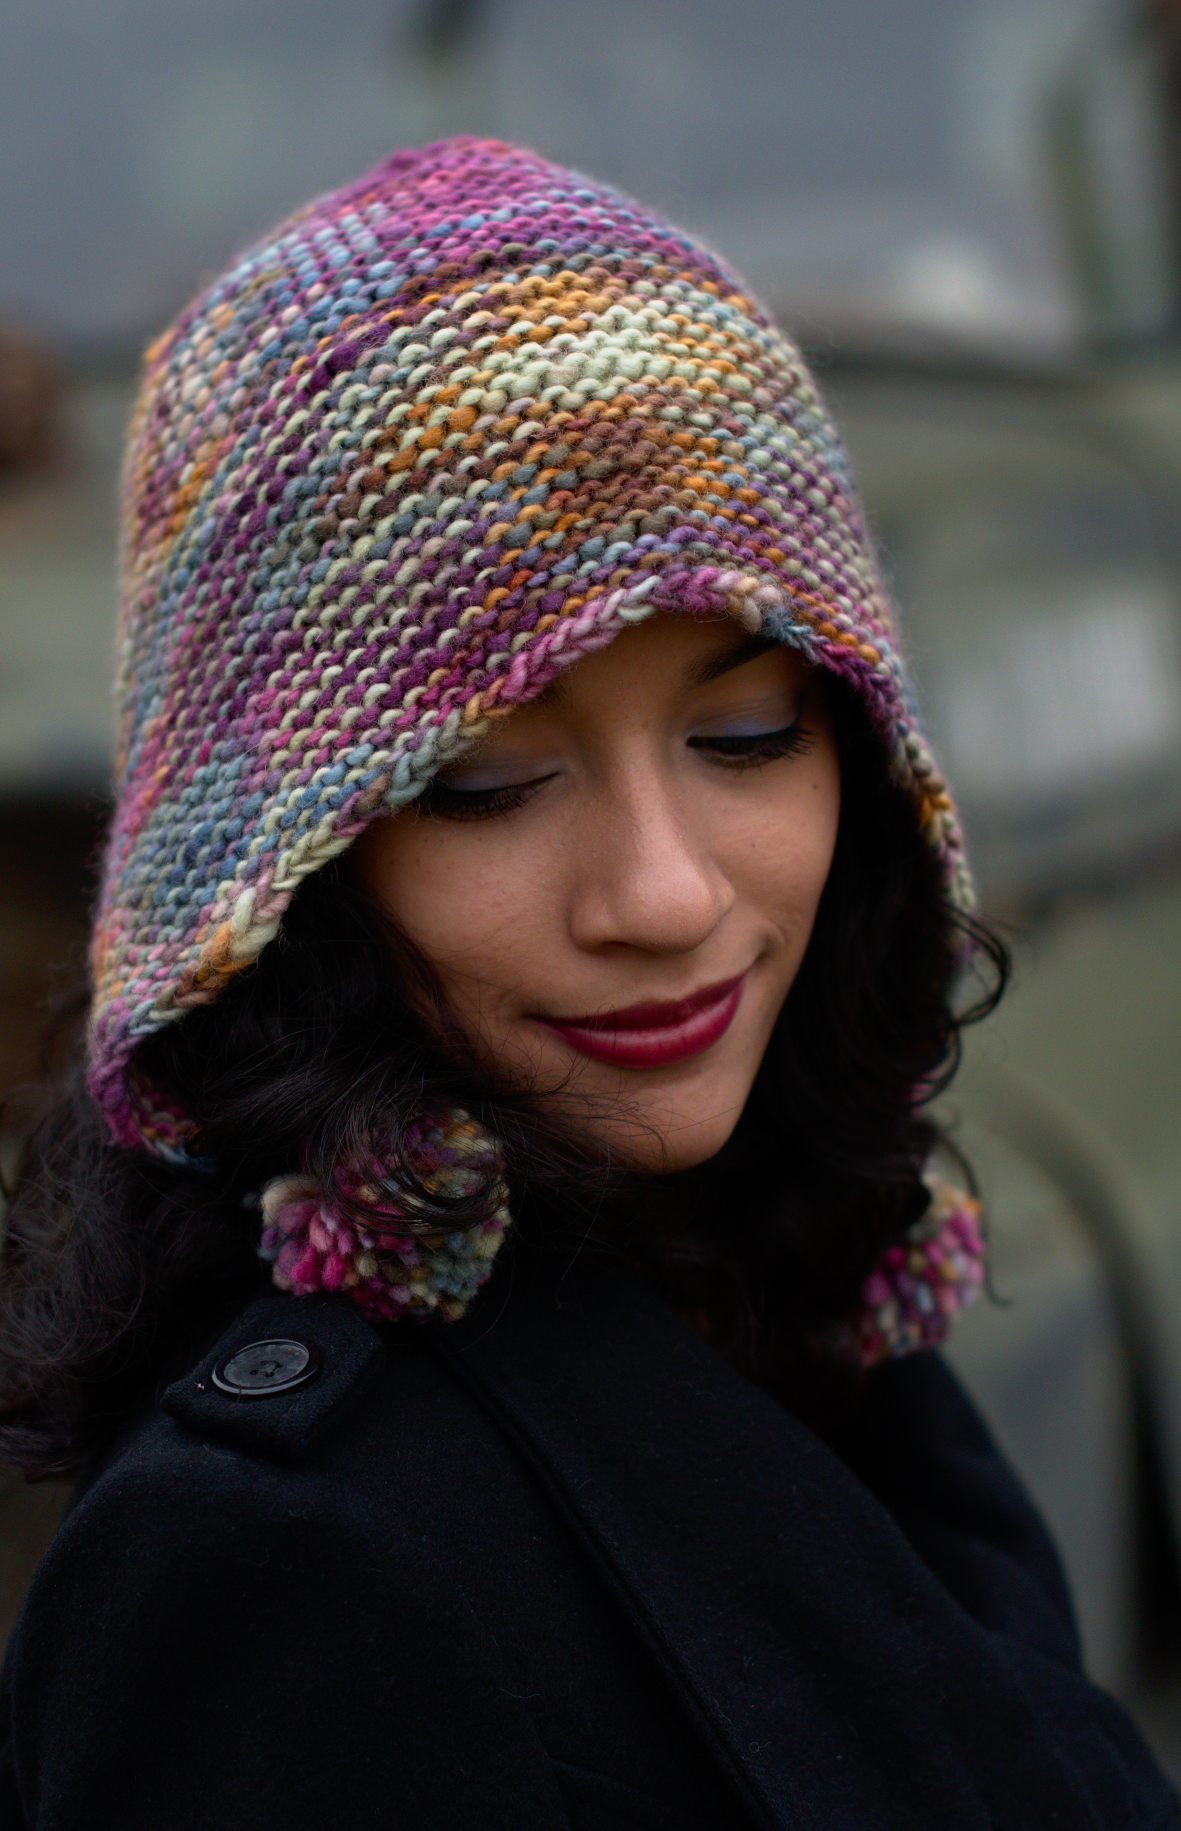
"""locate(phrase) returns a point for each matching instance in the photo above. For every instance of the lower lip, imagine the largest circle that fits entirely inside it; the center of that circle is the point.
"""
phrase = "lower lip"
(656, 1047)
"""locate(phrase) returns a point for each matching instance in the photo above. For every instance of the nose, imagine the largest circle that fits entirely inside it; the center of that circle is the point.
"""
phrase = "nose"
(645, 876)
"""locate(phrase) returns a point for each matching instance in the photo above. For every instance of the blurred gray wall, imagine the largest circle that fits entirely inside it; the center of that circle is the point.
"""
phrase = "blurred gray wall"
(863, 162)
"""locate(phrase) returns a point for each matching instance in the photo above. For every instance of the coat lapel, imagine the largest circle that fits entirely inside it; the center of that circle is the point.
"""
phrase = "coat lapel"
(837, 1681)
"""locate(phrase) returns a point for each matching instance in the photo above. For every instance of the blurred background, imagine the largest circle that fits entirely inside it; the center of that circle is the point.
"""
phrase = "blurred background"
(970, 212)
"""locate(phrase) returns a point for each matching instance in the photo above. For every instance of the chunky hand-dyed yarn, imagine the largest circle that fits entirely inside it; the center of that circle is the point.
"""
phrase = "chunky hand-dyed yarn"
(917, 1289)
(437, 436)
(390, 1263)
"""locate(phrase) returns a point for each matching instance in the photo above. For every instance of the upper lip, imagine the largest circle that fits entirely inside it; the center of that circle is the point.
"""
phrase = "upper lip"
(652, 1015)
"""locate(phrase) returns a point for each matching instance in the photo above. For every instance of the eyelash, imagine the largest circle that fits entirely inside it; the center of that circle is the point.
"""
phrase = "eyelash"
(749, 752)
(438, 802)
(734, 753)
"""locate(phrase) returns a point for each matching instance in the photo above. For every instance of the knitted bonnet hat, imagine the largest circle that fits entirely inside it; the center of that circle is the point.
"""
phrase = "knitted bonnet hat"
(443, 432)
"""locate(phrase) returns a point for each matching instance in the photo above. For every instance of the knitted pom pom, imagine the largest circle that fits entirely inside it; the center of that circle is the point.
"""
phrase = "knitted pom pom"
(918, 1288)
(392, 1263)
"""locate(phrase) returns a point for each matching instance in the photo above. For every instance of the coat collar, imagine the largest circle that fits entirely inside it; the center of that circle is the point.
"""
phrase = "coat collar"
(837, 1681)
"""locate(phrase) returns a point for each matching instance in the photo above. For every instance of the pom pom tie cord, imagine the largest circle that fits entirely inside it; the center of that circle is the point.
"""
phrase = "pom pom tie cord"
(392, 1264)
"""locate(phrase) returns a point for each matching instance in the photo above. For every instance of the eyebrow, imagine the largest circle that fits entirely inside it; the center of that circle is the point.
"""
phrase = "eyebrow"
(724, 661)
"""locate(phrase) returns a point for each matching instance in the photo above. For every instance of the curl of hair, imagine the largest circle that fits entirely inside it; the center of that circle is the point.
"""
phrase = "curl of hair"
(117, 1268)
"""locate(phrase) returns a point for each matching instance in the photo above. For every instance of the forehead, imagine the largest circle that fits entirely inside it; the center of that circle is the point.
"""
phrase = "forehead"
(676, 653)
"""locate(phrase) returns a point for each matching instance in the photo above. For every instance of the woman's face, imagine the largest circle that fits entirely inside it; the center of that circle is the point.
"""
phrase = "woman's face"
(616, 888)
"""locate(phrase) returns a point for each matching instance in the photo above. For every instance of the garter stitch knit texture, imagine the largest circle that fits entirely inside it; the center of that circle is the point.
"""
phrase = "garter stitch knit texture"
(440, 434)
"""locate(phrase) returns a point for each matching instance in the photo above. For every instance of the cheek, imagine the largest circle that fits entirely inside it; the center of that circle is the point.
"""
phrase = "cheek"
(780, 846)
(474, 908)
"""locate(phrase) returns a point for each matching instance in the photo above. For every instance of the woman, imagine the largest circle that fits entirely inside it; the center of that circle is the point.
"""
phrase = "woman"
(474, 1287)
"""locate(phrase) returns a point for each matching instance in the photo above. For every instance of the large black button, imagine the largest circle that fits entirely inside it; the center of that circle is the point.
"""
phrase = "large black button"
(265, 1367)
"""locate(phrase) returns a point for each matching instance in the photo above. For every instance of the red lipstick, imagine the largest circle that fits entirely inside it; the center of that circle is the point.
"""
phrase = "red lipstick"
(652, 1035)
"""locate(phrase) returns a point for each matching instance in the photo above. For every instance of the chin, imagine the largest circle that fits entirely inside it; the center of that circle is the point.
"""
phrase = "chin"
(671, 1141)
(656, 1128)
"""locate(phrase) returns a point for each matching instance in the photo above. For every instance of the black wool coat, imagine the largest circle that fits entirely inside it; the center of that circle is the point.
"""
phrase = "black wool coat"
(554, 1568)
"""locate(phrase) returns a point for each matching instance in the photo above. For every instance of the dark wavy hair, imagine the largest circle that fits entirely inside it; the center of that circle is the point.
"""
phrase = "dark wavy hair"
(117, 1267)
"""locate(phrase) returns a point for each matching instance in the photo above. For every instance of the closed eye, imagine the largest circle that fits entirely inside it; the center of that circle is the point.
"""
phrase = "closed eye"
(730, 750)
(439, 801)
(747, 751)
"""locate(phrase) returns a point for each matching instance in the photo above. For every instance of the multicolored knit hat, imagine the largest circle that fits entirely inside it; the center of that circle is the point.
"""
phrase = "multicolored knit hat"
(442, 433)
